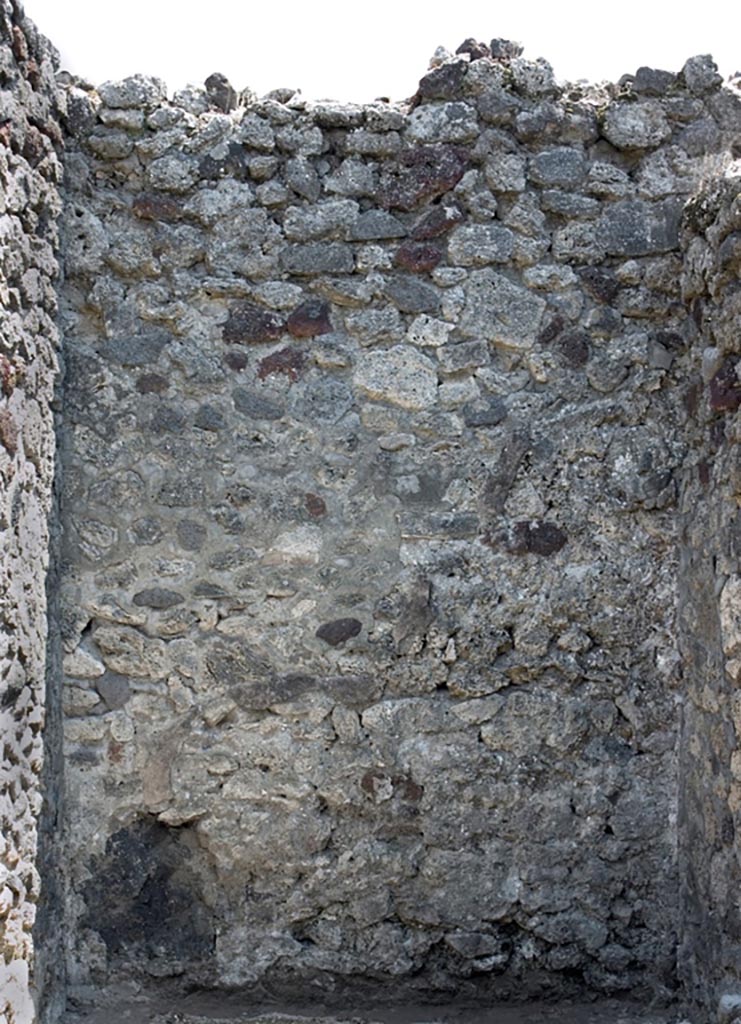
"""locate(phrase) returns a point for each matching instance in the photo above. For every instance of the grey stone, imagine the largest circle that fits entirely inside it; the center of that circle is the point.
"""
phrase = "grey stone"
(302, 177)
(399, 375)
(191, 535)
(114, 689)
(637, 228)
(505, 172)
(475, 245)
(255, 406)
(209, 417)
(561, 167)
(139, 91)
(157, 597)
(411, 295)
(569, 204)
(146, 530)
(500, 311)
(376, 224)
(444, 122)
(641, 125)
(174, 172)
(374, 326)
(331, 218)
(339, 631)
(141, 349)
(700, 74)
(316, 258)
(651, 82)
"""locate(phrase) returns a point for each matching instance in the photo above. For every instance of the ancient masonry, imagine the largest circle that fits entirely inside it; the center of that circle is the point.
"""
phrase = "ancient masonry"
(395, 562)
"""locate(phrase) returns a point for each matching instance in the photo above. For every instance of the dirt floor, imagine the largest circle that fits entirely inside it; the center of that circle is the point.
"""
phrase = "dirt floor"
(209, 1009)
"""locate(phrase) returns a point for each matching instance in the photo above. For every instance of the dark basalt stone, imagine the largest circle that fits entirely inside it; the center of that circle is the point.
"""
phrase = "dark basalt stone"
(443, 83)
(143, 897)
(574, 347)
(474, 49)
(600, 283)
(220, 92)
(339, 630)
(536, 537)
(157, 597)
(255, 406)
(249, 324)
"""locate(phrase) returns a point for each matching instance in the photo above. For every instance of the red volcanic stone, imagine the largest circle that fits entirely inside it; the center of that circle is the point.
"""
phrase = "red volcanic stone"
(150, 207)
(310, 318)
(725, 388)
(19, 45)
(289, 361)
(249, 324)
(426, 172)
(536, 537)
(8, 432)
(418, 257)
(34, 147)
(437, 222)
(8, 378)
(338, 631)
(315, 505)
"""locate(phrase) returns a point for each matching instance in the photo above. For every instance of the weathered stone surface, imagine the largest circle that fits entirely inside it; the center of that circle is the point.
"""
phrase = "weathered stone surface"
(418, 257)
(475, 245)
(638, 228)
(317, 258)
(561, 167)
(309, 319)
(500, 311)
(250, 324)
(444, 122)
(339, 630)
(425, 173)
(376, 224)
(398, 375)
(373, 626)
(639, 125)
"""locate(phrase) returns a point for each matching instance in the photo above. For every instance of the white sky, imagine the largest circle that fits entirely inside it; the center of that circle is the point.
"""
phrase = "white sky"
(361, 50)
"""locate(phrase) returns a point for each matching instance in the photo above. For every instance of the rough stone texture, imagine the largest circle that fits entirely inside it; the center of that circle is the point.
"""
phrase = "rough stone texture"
(710, 603)
(370, 516)
(30, 172)
(381, 427)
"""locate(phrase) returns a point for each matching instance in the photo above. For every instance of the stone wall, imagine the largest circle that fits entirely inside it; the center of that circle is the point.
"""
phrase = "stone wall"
(710, 600)
(374, 427)
(30, 172)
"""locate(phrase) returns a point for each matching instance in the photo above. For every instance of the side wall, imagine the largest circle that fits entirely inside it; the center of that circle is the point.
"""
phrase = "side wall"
(372, 440)
(30, 172)
(710, 601)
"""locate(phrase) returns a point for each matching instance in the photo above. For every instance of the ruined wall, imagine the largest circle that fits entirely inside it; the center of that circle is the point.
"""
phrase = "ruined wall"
(374, 418)
(30, 171)
(710, 600)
